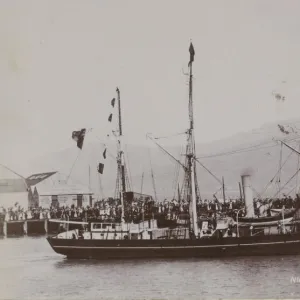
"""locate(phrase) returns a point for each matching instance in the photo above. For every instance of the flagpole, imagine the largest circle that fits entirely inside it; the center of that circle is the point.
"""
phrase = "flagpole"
(223, 188)
(121, 163)
(90, 177)
(191, 154)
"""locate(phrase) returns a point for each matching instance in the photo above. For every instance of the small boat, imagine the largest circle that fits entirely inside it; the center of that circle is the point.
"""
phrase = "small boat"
(285, 215)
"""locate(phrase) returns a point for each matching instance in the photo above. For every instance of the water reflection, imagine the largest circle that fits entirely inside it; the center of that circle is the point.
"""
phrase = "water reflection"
(30, 269)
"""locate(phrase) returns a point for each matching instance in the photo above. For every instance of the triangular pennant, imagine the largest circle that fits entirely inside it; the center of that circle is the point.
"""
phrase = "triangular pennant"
(192, 53)
(110, 118)
(100, 168)
(113, 102)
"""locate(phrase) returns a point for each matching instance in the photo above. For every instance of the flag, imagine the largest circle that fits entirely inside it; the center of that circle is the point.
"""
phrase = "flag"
(110, 118)
(192, 53)
(104, 153)
(282, 129)
(78, 136)
(113, 102)
(100, 168)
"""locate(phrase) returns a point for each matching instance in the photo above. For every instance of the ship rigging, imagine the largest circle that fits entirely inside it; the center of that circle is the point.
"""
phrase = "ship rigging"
(146, 240)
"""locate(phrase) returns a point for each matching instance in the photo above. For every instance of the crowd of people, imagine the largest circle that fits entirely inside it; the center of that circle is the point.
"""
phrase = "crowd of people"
(110, 210)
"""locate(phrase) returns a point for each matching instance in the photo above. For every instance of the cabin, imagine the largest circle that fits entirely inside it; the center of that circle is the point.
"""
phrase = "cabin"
(56, 190)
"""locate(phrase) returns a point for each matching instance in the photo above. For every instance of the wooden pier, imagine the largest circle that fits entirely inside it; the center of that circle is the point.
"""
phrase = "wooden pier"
(27, 227)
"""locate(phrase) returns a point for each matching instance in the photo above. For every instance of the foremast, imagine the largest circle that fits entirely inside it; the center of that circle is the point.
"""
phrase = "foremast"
(190, 186)
(122, 182)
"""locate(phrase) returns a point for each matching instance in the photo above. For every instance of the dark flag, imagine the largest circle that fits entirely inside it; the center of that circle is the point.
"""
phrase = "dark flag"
(113, 102)
(104, 153)
(110, 118)
(78, 136)
(100, 168)
(192, 53)
(282, 129)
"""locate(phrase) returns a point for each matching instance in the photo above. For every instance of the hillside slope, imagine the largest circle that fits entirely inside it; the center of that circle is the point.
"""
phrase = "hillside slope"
(259, 154)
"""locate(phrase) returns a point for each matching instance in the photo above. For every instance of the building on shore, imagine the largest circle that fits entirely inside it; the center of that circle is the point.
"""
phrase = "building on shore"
(56, 190)
(41, 190)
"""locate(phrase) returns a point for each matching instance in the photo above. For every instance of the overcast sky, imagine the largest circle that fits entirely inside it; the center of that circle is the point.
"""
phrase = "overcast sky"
(61, 60)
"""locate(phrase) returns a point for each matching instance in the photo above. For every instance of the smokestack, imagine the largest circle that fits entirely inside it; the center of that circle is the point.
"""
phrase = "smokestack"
(246, 182)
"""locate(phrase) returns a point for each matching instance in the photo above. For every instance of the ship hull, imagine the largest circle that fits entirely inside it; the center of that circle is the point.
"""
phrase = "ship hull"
(132, 249)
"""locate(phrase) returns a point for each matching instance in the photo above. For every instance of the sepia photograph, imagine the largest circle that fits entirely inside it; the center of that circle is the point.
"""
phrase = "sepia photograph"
(150, 150)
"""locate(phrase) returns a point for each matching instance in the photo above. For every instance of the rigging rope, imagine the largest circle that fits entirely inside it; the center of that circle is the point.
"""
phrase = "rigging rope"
(243, 150)
(291, 191)
(250, 148)
(220, 181)
(297, 168)
(73, 165)
(176, 175)
(165, 137)
(100, 186)
(254, 190)
(271, 181)
(280, 162)
(165, 151)
(23, 178)
(286, 183)
(105, 147)
(128, 166)
(152, 176)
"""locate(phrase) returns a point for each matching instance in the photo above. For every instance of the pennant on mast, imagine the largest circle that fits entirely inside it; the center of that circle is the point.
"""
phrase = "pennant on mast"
(104, 153)
(100, 168)
(192, 53)
(113, 102)
(78, 136)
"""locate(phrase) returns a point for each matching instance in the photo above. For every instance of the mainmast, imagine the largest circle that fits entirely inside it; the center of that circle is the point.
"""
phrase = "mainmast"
(121, 176)
(190, 187)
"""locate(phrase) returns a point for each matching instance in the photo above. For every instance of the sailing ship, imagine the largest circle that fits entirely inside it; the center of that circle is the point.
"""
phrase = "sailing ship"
(145, 240)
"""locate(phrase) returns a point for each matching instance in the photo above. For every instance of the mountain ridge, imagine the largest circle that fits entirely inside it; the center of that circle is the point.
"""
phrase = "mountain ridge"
(262, 158)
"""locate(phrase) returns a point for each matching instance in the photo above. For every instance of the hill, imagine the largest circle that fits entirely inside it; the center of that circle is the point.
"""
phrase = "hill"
(254, 151)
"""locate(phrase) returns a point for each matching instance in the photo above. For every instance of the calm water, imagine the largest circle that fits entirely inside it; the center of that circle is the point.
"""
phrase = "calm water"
(31, 270)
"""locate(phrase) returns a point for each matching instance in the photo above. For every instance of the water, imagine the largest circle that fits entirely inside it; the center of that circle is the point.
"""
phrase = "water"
(31, 270)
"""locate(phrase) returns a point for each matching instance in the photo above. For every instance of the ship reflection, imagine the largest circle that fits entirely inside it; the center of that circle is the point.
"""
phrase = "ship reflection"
(121, 262)
(254, 264)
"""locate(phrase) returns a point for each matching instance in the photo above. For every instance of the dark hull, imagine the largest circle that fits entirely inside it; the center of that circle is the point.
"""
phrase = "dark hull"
(121, 249)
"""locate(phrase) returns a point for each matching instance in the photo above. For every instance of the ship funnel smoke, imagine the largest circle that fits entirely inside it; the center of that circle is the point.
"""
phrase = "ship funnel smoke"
(247, 172)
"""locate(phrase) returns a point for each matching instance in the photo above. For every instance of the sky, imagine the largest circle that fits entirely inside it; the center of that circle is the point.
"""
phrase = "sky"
(61, 61)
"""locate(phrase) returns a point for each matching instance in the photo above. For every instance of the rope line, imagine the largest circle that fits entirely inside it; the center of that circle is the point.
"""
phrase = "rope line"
(286, 183)
(271, 181)
(73, 165)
